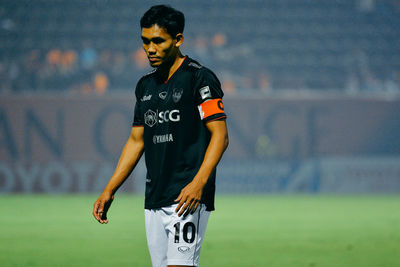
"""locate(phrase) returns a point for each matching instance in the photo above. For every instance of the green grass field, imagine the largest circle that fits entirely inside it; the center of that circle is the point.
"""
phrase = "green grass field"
(301, 230)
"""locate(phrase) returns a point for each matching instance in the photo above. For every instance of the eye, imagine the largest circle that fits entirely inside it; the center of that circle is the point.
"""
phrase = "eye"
(145, 41)
(158, 40)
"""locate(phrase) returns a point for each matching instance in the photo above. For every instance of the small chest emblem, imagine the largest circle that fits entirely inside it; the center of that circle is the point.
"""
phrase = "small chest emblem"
(177, 94)
(163, 95)
(150, 118)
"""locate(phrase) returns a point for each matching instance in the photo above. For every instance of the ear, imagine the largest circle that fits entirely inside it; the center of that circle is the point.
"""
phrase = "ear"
(179, 39)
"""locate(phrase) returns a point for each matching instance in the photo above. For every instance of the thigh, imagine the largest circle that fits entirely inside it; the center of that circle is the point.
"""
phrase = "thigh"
(157, 237)
(185, 236)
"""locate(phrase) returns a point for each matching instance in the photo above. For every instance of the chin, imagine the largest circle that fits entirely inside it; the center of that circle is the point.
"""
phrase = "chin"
(155, 64)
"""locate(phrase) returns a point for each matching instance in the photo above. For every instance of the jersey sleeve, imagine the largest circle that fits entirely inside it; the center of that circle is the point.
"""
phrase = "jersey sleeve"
(138, 116)
(209, 96)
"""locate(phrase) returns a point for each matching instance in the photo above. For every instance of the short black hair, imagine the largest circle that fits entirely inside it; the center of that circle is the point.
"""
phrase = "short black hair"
(166, 17)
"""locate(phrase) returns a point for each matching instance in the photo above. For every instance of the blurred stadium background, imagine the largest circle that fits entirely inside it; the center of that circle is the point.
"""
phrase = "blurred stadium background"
(312, 94)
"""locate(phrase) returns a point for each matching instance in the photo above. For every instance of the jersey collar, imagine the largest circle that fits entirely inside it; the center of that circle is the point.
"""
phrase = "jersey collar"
(184, 60)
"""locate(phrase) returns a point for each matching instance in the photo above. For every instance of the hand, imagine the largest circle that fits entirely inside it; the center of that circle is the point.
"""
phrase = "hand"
(101, 207)
(189, 199)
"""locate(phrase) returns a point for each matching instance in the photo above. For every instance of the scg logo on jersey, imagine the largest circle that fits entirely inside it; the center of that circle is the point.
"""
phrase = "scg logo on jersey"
(151, 117)
(166, 116)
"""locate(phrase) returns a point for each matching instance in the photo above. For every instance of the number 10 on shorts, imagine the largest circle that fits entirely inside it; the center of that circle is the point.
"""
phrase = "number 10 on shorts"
(188, 232)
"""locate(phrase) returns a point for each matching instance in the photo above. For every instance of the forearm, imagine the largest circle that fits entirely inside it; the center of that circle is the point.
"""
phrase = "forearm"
(129, 158)
(190, 196)
(217, 146)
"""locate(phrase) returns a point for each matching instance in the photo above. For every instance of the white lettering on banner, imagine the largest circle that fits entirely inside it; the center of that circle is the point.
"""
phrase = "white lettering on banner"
(104, 174)
(157, 139)
(27, 176)
(335, 175)
(7, 179)
(57, 177)
(83, 171)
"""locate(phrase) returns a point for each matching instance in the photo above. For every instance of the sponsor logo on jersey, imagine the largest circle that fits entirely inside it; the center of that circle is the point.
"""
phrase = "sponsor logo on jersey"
(157, 139)
(205, 92)
(183, 249)
(146, 98)
(163, 95)
(166, 116)
(177, 94)
(152, 117)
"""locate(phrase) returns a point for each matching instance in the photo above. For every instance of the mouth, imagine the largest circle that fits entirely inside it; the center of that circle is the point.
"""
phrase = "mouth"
(153, 59)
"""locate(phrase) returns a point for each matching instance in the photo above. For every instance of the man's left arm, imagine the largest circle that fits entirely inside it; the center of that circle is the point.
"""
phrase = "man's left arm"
(190, 195)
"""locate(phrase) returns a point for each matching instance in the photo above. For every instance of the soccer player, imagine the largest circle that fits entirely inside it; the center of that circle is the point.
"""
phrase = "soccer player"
(179, 123)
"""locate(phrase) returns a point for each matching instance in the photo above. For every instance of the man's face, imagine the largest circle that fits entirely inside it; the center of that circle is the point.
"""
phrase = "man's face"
(159, 46)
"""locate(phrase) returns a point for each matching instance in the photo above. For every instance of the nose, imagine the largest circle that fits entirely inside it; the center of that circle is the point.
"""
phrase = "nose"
(152, 49)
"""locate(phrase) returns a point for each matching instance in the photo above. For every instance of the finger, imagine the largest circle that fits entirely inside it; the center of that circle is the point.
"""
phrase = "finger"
(179, 206)
(103, 216)
(195, 207)
(178, 198)
(95, 210)
(181, 202)
(192, 207)
(100, 212)
(184, 208)
(188, 210)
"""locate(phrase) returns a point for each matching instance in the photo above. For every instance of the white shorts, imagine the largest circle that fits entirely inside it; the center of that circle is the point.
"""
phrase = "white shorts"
(174, 240)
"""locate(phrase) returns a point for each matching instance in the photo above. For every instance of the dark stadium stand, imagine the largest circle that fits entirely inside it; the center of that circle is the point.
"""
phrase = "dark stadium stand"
(254, 46)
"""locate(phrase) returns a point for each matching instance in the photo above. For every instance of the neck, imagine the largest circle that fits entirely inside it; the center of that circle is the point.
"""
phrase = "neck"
(169, 69)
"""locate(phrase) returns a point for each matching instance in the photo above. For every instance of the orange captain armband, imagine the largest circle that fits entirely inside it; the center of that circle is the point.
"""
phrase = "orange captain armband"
(212, 109)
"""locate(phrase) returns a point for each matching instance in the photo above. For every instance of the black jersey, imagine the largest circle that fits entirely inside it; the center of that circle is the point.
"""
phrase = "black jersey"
(174, 114)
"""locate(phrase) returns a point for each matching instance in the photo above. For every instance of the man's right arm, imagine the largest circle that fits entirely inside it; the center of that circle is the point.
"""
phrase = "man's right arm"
(130, 156)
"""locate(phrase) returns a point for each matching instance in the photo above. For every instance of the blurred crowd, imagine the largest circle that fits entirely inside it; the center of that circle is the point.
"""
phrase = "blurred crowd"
(90, 71)
(347, 46)
(79, 71)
